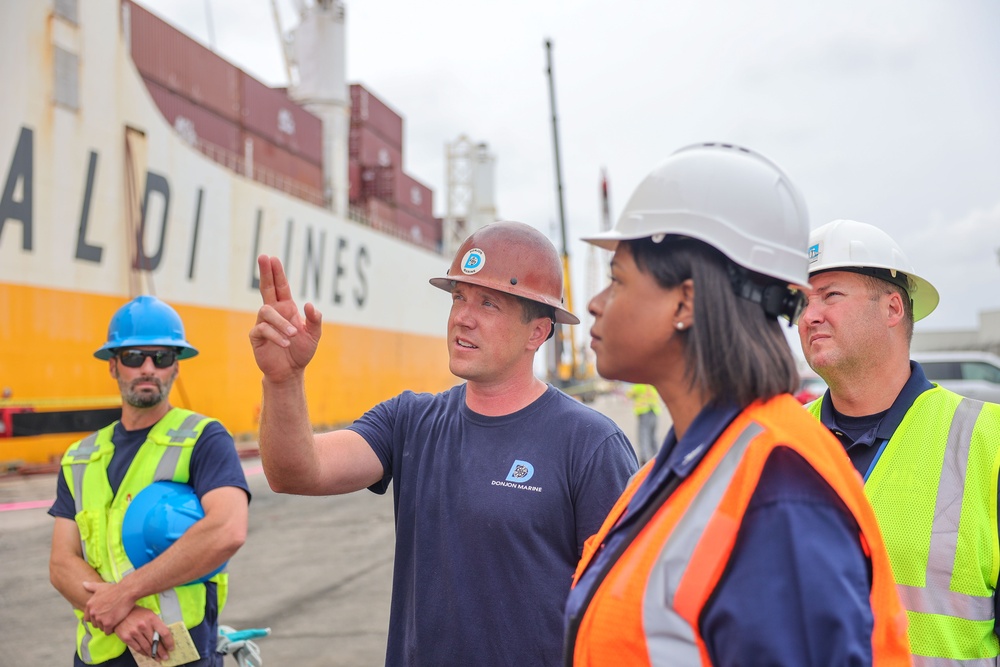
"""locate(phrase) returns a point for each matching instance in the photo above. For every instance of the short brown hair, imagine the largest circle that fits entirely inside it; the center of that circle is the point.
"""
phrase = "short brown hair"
(734, 352)
(878, 288)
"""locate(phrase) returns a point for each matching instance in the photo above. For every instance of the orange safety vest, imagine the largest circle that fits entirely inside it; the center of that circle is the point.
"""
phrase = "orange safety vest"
(713, 500)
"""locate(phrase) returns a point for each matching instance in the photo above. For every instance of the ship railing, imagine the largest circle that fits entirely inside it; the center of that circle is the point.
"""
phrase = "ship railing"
(238, 164)
(268, 177)
(360, 214)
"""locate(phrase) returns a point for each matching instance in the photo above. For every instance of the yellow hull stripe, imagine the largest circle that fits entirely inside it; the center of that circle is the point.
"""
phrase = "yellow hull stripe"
(48, 337)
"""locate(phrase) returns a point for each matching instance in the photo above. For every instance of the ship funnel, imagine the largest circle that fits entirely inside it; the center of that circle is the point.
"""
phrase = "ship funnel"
(317, 49)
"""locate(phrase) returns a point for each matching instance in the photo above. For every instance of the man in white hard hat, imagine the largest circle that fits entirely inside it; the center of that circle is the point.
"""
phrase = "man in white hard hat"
(929, 457)
(126, 600)
(497, 482)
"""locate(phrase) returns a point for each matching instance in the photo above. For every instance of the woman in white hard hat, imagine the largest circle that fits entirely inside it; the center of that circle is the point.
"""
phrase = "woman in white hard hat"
(748, 539)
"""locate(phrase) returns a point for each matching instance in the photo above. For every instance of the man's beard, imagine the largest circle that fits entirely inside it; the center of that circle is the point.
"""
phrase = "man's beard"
(145, 398)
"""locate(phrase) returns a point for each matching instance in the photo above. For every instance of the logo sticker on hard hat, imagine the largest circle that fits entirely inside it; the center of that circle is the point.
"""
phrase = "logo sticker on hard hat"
(813, 253)
(473, 262)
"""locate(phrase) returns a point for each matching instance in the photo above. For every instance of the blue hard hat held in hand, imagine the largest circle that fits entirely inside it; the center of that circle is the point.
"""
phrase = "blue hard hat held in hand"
(157, 516)
(146, 320)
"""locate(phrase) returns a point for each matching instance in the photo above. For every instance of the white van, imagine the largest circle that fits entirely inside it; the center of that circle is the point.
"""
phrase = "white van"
(970, 373)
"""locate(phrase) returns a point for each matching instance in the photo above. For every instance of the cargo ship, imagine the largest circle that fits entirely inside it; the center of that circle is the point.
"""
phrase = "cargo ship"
(134, 160)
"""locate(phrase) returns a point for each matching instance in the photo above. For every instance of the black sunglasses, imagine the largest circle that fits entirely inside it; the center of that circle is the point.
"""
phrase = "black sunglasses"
(136, 358)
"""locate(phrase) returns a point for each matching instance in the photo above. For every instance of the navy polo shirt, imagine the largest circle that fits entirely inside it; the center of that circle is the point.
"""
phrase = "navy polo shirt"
(796, 589)
(865, 449)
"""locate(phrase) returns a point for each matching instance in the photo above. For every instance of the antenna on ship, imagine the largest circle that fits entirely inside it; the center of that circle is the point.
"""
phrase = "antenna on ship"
(210, 24)
(286, 57)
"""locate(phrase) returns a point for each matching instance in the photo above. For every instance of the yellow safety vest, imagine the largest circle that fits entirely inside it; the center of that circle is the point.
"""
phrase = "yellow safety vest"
(165, 456)
(646, 399)
(934, 491)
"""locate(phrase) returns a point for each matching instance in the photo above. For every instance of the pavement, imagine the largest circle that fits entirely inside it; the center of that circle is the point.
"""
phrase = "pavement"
(317, 571)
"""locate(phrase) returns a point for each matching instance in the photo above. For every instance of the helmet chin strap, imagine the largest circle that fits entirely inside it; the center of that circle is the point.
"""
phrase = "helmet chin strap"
(777, 300)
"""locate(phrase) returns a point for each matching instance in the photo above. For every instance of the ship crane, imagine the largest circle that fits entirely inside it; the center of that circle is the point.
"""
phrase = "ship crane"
(568, 370)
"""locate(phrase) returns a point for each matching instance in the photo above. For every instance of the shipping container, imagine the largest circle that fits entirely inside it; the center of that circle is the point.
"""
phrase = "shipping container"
(381, 215)
(421, 231)
(354, 181)
(196, 124)
(269, 113)
(370, 112)
(379, 182)
(371, 150)
(414, 196)
(281, 169)
(177, 62)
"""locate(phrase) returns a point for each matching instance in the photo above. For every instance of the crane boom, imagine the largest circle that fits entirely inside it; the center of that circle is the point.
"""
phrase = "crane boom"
(564, 338)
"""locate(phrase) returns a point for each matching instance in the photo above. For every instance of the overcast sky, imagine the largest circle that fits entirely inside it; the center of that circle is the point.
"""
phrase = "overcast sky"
(885, 111)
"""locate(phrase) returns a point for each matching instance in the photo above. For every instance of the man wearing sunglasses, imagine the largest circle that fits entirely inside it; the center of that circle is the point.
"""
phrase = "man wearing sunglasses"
(123, 607)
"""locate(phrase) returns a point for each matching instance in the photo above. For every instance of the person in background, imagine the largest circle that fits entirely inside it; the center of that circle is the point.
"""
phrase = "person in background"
(646, 405)
(748, 539)
(497, 482)
(120, 604)
(929, 457)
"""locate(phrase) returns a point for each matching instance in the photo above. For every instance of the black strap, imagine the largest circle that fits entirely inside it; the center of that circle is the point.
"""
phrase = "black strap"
(776, 299)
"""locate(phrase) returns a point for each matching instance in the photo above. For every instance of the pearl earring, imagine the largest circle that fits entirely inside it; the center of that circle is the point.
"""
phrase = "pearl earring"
(680, 326)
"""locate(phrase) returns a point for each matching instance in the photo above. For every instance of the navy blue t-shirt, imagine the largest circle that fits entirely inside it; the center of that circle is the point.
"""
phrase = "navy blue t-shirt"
(214, 464)
(796, 588)
(491, 517)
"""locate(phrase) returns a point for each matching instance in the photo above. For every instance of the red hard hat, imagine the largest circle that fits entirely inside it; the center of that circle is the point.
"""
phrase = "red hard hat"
(513, 258)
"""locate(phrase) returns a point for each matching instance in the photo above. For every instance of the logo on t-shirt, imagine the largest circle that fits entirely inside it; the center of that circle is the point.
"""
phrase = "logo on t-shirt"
(520, 472)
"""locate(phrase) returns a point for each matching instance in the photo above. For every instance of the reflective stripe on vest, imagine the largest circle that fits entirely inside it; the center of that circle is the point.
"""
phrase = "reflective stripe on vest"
(942, 532)
(173, 438)
(646, 609)
(671, 639)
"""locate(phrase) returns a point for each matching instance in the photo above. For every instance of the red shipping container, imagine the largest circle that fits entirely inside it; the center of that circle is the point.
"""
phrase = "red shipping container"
(172, 59)
(378, 182)
(369, 111)
(269, 113)
(381, 216)
(371, 150)
(414, 196)
(421, 231)
(354, 181)
(283, 170)
(196, 124)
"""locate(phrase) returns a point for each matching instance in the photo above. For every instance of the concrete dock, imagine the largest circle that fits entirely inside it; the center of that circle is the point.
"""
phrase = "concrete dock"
(317, 571)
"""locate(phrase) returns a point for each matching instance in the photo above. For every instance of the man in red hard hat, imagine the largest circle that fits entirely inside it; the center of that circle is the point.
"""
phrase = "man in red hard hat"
(127, 607)
(497, 482)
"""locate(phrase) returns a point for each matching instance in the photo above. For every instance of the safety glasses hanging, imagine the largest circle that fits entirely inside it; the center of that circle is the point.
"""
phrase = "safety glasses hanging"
(136, 358)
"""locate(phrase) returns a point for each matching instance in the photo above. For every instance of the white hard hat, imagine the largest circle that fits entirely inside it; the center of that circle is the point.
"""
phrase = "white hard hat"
(848, 245)
(732, 198)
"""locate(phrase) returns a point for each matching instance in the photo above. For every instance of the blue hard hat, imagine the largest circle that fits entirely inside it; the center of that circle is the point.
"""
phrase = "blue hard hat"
(156, 517)
(145, 320)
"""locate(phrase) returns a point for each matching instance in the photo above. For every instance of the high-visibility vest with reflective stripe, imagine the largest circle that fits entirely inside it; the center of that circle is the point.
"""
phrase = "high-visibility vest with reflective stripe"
(645, 397)
(934, 490)
(165, 456)
(682, 552)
